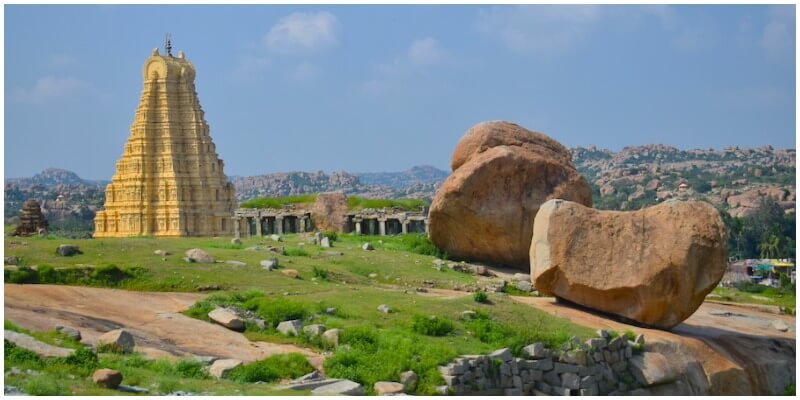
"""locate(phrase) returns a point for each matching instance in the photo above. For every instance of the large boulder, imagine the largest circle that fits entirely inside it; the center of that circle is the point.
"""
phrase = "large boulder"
(502, 173)
(198, 256)
(117, 340)
(654, 266)
(107, 378)
(329, 212)
(227, 319)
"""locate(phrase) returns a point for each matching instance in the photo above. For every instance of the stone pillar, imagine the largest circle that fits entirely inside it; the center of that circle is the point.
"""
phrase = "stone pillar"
(405, 226)
(258, 226)
(358, 227)
(382, 226)
(278, 225)
(237, 228)
(301, 224)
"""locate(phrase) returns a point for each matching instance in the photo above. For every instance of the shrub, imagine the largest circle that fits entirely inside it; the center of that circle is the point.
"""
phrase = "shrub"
(432, 325)
(82, 357)
(18, 356)
(190, 369)
(481, 297)
(295, 252)
(109, 275)
(276, 310)
(200, 310)
(22, 275)
(331, 235)
(629, 335)
(420, 244)
(43, 385)
(320, 273)
(271, 369)
(112, 348)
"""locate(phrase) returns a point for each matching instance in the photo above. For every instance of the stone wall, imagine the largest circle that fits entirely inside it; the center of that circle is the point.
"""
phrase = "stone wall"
(599, 366)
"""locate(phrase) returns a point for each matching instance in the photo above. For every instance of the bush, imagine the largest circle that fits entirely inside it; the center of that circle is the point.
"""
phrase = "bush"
(276, 310)
(420, 244)
(481, 297)
(200, 310)
(432, 325)
(22, 275)
(271, 369)
(44, 386)
(109, 275)
(82, 357)
(320, 273)
(295, 252)
(331, 235)
(18, 356)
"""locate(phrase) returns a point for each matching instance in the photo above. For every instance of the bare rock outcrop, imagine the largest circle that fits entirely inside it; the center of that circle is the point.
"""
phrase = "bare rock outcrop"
(502, 173)
(654, 266)
(330, 212)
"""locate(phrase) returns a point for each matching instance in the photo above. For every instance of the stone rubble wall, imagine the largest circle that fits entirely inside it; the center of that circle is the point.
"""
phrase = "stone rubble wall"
(600, 366)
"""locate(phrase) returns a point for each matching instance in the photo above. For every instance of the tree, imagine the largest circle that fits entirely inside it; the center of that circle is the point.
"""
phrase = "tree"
(770, 247)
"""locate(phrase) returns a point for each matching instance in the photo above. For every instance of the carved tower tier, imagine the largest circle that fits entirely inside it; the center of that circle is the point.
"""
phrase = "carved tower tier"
(169, 181)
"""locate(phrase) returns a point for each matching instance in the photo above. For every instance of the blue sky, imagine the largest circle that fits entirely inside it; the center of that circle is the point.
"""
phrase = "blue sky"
(383, 88)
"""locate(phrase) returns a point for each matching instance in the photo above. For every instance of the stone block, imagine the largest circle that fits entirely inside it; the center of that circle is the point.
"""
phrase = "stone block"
(314, 330)
(543, 387)
(651, 368)
(409, 380)
(513, 392)
(226, 318)
(514, 367)
(616, 343)
(525, 375)
(387, 388)
(505, 369)
(561, 391)
(598, 356)
(290, 328)
(570, 380)
(332, 336)
(587, 382)
(503, 355)
(561, 368)
(552, 378)
(590, 391)
(619, 366)
(450, 380)
(516, 381)
(340, 388)
(597, 343)
(535, 351)
(545, 364)
(628, 352)
(536, 375)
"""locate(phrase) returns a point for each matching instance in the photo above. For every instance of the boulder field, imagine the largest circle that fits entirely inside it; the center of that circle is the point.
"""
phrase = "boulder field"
(654, 266)
(502, 173)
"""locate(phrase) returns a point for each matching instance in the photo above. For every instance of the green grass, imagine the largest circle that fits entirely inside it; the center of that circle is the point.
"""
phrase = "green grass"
(271, 369)
(381, 346)
(356, 203)
(786, 299)
(278, 202)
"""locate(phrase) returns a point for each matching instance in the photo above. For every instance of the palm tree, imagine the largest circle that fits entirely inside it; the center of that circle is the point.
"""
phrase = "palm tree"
(770, 247)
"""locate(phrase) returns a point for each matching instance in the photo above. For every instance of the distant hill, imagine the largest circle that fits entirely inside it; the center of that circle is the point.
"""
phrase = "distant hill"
(416, 175)
(734, 179)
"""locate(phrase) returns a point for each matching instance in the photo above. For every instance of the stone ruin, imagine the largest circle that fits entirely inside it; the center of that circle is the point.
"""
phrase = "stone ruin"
(31, 220)
(329, 212)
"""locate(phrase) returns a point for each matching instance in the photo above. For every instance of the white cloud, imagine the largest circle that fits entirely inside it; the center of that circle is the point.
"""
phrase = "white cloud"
(251, 68)
(419, 57)
(425, 52)
(48, 88)
(539, 29)
(303, 32)
(778, 37)
(304, 71)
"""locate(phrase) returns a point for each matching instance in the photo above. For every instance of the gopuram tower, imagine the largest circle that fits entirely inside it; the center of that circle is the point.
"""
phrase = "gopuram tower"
(169, 181)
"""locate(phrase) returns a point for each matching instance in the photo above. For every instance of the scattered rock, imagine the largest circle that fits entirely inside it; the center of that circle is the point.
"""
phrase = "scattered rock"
(340, 388)
(409, 379)
(373, 275)
(275, 238)
(132, 389)
(220, 368)
(332, 336)
(367, 247)
(290, 328)
(29, 343)
(119, 338)
(469, 314)
(69, 331)
(227, 319)
(291, 273)
(325, 242)
(68, 250)
(235, 263)
(161, 253)
(502, 173)
(384, 309)
(521, 277)
(330, 311)
(536, 351)
(270, 264)
(236, 241)
(651, 368)
(524, 286)
(387, 388)
(314, 330)
(107, 378)
(198, 256)
(677, 251)
(11, 260)
(780, 325)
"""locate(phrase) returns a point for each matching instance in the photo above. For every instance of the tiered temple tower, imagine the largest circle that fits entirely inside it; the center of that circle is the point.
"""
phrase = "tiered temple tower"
(169, 181)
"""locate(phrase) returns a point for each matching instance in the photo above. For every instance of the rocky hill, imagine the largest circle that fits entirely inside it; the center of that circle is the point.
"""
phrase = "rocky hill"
(733, 178)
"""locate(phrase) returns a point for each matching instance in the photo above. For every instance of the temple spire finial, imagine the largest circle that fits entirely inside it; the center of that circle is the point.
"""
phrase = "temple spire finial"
(168, 44)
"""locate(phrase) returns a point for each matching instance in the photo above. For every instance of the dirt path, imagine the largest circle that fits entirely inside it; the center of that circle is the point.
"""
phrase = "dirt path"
(738, 348)
(153, 318)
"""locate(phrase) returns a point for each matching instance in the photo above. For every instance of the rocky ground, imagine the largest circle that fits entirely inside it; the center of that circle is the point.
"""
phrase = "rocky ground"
(740, 351)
